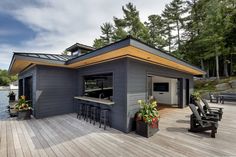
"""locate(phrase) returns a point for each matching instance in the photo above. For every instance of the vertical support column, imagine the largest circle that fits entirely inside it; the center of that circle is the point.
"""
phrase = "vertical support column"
(181, 93)
(187, 95)
(23, 80)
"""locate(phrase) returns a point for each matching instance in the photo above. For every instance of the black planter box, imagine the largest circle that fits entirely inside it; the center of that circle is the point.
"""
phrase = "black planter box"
(24, 114)
(12, 98)
(145, 130)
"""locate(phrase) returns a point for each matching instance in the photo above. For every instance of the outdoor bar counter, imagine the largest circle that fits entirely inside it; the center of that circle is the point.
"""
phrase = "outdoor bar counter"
(95, 100)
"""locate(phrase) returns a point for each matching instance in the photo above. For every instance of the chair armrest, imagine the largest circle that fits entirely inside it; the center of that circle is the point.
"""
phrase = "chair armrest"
(210, 118)
(211, 115)
(216, 108)
(209, 121)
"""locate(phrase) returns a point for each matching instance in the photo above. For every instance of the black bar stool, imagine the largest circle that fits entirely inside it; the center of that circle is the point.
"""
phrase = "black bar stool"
(88, 112)
(104, 117)
(81, 111)
(94, 114)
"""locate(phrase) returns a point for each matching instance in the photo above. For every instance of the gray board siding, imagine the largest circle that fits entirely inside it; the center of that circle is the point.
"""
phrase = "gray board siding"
(118, 68)
(137, 84)
(56, 88)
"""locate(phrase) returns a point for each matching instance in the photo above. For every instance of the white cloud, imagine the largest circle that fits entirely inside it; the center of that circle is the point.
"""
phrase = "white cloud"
(60, 23)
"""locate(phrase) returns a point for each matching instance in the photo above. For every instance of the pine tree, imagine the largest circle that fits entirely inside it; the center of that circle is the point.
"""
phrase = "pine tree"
(196, 46)
(98, 43)
(130, 24)
(177, 10)
(107, 33)
(156, 28)
(106, 37)
(167, 24)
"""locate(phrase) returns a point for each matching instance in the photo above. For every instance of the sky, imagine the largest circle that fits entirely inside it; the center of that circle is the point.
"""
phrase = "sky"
(50, 26)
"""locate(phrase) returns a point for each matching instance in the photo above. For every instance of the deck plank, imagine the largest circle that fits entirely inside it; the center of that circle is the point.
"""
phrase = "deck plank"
(16, 139)
(65, 135)
(10, 142)
(3, 145)
(23, 143)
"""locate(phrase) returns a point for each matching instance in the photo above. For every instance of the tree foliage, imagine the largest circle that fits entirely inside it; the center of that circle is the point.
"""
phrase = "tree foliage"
(202, 32)
(5, 78)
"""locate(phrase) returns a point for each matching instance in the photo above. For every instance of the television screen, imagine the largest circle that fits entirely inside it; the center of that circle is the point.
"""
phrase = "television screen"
(161, 87)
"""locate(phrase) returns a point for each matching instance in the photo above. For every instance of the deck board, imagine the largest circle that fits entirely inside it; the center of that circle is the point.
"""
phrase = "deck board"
(65, 135)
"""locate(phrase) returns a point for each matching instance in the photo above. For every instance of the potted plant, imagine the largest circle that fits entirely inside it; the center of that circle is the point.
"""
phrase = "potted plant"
(23, 108)
(195, 97)
(147, 118)
(12, 96)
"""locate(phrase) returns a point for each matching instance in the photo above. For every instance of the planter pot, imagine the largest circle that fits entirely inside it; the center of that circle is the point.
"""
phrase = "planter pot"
(24, 114)
(12, 98)
(145, 130)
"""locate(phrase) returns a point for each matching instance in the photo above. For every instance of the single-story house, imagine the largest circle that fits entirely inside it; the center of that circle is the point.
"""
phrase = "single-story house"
(122, 72)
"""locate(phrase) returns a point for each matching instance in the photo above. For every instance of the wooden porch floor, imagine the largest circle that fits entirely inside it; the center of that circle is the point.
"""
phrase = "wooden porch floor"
(67, 136)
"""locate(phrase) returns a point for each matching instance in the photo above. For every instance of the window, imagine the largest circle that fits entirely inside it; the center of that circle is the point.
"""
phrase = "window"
(161, 87)
(28, 88)
(99, 86)
(20, 88)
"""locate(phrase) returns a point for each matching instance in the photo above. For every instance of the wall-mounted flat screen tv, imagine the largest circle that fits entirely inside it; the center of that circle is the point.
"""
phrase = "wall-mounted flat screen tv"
(161, 87)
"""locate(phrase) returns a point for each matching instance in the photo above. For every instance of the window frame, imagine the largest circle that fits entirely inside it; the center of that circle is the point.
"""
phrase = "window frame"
(98, 73)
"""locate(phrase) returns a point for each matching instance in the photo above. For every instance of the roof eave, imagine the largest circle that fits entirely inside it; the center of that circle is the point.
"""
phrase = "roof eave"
(136, 43)
(40, 61)
(11, 64)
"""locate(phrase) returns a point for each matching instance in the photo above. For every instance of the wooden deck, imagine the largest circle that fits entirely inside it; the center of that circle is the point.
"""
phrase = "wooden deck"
(67, 136)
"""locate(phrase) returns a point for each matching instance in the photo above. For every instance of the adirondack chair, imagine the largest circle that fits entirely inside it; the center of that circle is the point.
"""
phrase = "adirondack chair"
(197, 124)
(213, 98)
(205, 115)
(212, 110)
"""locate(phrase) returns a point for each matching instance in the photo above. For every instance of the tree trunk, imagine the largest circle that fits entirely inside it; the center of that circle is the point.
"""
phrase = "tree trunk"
(169, 38)
(177, 23)
(217, 67)
(231, 64)
(202, 67)
(208, 73)
(226, 67)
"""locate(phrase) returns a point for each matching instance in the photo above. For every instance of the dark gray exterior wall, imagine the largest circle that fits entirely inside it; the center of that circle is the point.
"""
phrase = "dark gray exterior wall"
(118, 68)
(137, 84)
(55, 89)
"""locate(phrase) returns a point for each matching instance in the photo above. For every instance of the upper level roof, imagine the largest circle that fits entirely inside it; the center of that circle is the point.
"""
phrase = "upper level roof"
(77, 46)
(128, 47)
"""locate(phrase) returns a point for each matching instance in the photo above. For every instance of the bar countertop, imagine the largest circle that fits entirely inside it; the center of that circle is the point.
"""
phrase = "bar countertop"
(96, 100)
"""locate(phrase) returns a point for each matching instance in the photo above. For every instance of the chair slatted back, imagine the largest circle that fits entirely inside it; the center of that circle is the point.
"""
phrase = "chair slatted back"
(196, 114)
(197, 103)
(205, 103)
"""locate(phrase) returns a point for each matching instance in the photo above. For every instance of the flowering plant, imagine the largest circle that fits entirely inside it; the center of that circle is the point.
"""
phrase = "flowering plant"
(23, 105)
(148, 113)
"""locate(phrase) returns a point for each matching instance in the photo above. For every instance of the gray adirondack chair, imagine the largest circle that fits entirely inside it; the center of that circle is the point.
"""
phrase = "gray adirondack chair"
(197, 124)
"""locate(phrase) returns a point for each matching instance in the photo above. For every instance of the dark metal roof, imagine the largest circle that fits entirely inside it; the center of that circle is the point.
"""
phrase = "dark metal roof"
(77, 46)
(55, 57)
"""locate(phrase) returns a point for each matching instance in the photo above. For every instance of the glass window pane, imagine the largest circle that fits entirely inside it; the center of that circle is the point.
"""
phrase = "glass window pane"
(99, 86)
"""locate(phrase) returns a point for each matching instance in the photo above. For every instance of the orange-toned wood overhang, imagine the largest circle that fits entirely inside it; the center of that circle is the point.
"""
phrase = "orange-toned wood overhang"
(135, 53)
(128, 51)
(20, 64)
